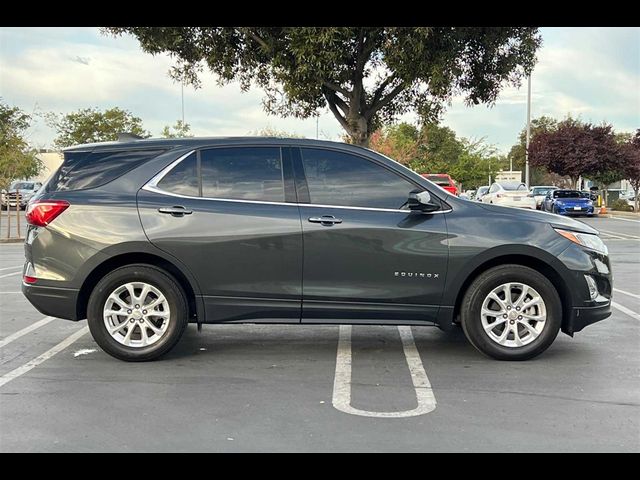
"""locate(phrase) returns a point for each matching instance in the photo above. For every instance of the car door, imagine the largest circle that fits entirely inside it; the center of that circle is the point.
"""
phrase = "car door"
(548, 202)
(228, 214)
(366, 259)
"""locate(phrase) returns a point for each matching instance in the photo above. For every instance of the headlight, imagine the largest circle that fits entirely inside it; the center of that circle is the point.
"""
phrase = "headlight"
(594, 242)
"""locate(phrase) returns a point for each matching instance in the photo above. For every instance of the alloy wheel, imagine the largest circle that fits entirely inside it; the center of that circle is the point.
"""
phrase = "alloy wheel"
(513, 314)
(136, 314)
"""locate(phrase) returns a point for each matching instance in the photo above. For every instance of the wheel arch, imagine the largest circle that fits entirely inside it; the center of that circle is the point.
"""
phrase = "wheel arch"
(543, 262)
(196, 309)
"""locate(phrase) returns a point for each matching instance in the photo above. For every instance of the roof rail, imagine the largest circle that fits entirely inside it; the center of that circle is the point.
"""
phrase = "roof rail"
(126, 137)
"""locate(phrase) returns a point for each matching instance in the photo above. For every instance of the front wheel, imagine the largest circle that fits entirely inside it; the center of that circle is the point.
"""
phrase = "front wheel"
(137, 313)
(511, 312)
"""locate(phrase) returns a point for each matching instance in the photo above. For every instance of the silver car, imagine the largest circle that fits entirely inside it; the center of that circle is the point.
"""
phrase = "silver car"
(539, 192)
(18, 192)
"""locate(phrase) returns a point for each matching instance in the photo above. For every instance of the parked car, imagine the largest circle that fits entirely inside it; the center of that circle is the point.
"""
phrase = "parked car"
(482, 191)
(142, 237)
(510, 194)
(442, 180)
(540, 192)
(631, 201)
(568, 202)
(25, 189)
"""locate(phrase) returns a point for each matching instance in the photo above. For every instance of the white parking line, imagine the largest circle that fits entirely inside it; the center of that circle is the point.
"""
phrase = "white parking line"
(12, 375)
(625, 219)
(626, 293)
(10, 268)
(625, 236)
(342, 383)
(626, 310)
(24, 331)
(8, 293)
(10, 274)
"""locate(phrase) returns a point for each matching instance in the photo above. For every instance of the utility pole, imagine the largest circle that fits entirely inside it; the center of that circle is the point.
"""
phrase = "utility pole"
(182, 95)
(317, 124)
(526, 168)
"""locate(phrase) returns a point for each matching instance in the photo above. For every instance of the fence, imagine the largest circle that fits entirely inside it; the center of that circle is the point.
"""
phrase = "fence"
(12, 217)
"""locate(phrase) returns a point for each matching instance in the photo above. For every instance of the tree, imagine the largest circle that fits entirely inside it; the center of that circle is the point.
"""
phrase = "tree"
(436, 149)
(179, 130)
(576, 149)
(517, 153)
(400, 142)
(630, 151)
(269, 131)
(92, 125)
(17, 159)
(365, 75)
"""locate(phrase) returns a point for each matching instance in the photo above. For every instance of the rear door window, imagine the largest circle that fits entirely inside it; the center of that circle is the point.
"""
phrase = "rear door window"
(243, 173)
(84, 170)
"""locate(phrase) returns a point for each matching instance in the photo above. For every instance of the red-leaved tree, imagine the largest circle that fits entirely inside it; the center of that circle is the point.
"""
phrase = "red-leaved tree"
(631, 168)
(577, 149)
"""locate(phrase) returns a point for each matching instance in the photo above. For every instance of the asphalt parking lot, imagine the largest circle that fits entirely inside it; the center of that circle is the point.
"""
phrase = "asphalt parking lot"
(276, 388)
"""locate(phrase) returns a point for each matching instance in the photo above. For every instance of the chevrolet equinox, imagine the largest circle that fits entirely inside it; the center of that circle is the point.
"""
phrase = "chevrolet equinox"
(141, 237)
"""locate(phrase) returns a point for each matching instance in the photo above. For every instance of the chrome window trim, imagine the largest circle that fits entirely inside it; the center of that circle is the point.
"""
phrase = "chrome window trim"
(152, 186)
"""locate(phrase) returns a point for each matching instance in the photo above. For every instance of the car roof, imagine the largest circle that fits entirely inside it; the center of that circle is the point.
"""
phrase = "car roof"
(197, 142)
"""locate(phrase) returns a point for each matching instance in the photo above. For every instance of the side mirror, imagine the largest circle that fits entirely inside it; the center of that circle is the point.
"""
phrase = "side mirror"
(421, 201)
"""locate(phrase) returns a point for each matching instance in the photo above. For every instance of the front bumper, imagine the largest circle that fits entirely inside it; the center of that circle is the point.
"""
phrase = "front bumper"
(583, 316)
(53, 301)
(570, 210)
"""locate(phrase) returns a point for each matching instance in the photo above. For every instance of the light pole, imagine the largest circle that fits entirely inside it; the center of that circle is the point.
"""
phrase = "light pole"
(526, 154)
(182, 95)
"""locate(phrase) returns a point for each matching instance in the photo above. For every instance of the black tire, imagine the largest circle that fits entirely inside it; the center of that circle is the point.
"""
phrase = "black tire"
(157, 277)
(483, 285)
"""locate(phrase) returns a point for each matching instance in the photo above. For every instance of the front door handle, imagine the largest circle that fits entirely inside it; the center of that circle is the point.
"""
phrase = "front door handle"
(176, 211)
(326, 220)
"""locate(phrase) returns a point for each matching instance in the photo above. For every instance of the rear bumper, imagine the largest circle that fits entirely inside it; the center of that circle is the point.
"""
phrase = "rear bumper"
(584, 316)
(53, 301)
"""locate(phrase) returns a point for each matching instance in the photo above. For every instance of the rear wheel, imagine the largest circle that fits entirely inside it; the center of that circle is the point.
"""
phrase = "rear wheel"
(137, 313)
(511, 312)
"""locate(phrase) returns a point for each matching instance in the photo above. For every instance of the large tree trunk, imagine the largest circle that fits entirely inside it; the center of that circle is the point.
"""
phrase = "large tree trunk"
(358, 130)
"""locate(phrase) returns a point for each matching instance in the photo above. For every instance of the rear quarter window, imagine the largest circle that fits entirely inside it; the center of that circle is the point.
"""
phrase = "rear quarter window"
(84, 170)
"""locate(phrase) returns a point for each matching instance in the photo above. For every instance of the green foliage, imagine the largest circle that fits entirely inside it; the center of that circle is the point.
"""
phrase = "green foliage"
(367, 76)
(436, 149)
(91, 125)
(621, 205)
(179, 130)
(17, 159)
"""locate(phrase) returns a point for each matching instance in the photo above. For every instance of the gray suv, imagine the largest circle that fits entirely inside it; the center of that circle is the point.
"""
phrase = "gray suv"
(141, 237)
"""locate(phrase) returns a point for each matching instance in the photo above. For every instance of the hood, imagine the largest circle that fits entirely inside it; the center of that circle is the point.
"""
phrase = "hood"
(542, 217)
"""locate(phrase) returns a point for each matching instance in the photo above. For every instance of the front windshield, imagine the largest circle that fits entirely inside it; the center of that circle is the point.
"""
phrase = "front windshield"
(21, 186)
(567, 194)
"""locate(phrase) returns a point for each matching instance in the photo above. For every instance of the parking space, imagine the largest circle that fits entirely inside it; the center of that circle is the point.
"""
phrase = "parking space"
(322, 388)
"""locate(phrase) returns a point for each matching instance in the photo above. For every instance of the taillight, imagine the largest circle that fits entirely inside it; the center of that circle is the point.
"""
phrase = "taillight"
(29, 279)
(42, 213)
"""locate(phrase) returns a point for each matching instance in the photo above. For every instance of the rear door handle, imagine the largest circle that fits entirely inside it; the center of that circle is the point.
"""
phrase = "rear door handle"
(176, 211)
(325, 220)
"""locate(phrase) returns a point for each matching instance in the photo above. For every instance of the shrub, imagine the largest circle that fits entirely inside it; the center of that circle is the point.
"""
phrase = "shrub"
(621, 205)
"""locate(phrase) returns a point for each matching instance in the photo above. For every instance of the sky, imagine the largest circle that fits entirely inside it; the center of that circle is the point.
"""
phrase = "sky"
(590, 73)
